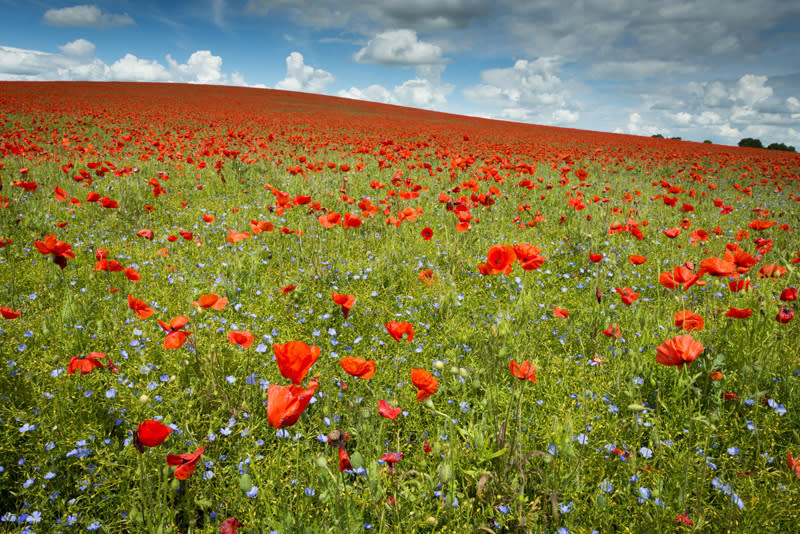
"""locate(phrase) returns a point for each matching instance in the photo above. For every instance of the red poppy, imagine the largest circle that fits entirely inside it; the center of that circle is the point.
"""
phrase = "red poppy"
(637, 259)
(772, 271)
(627, 294)
(672, 232)
(739, 313)
(397, 329)
(716, 375)
(106, 265)
(146, 233)
(392, 457)
(294, 359)
(345, 301)
(176, 336)
(132, 274)
(186, 463)
(683, 518)
(344, 460)
(358, 367)
(388, 411)
(425, 383)
(208, 218)
(85, 364)
(613, 330)
(9, 313)
(739, 285)
(523, 371)
(235, 237)
(427, 233)
(595, 257)
(716, 267)
(793, 463)
(788, 294)
(27, 186)
(261, 226)
(678, 351)
(785, 314)
(285, 404)
(288, 289)
(241, 338)
(528, 256)
(688, 321)
(229, 526)
(427, 277)
(139, 307)
(499, 260)
(211, 300)
(59, 249)
(560, 312)
(150, 434)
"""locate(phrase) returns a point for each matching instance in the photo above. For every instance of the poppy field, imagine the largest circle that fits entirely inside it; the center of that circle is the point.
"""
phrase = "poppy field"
(241, 309)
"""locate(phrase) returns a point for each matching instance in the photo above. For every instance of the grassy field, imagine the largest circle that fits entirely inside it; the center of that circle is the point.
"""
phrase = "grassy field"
(311, 314)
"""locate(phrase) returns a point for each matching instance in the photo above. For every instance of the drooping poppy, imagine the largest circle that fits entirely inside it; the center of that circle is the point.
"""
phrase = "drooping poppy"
(288, 289)
(523, 371)
(139, 307)
(425, 383)
(345, 301)
(294, 359)
(241, 338)
(397, 329)
(146, 233)
(176, 336)
(261, 226)
(689, 321)
(150, 433)
(59, 249)
(627, 294)
(358, 367)
(785, 314)
(285, 404)
(344, 460)
(678, 351)
(211, 300)
(559, 312)
(186, 463)
(427, 233)
(9, 313)
(229, 526)
(85, 364)
(208, 218)
(235, 236)
(388, 411)
(793, 463)
(739, 313)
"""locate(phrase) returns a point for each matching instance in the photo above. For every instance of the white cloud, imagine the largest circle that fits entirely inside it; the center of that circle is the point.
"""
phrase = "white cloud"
(638, 69)
(565, 116)
(421, 93)
(399, 48)
(78, 48)
(202, 67)
(750, 89)
(637, 126)
(302, 77)
(84, 16)
(373, 93)
(131, 68)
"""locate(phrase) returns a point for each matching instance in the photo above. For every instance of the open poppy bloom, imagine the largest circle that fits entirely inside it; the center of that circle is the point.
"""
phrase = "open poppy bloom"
(85, 364)
(499, 260)
(627, 294)
(229, 526)
(397, 329)
(561, 313)
(59, 249)
(425, 383)
(388, 411)
(186, 463)
(793, 463)
(261, 226)
(132, 274)
(772, 271)
(211, 300)
(613, 330)
(523, 371)
(785, 314)
(716, 267)
(294, 359)
(345, 301)
(9, 313)
(176, 336)
(528, 256)
(235, 237)
(150, 433)
(241, 338)
(288, 289)
(427, 233)
(139, 307)
(595, 257)
(146, 233)
(358, 367)
(427, 277)
(285, 404)
(637, 259)
(790, 293)
(688, 320)
(678, 351)
(739, 313)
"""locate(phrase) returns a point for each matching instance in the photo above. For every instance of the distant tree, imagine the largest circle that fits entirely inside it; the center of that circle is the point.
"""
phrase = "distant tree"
(780, 146)
(676, 138)
(658, 136)
(750, 142)
(707, 141)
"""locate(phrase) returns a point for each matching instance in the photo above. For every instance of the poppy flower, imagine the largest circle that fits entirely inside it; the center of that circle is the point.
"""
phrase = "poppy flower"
(208, 218)
(146, 233)
(211, 300)
(392, 457)
(59, 249)
(261, 226)
(672, 232)
(716, 267)
(241, 338)
(739, 313)
(85, 364)
(560, 312)
(186, 463)
(716, 375)
(499, 260)
(294, 359)
(150, 434)
(427, 277)
(139, 307)
(637, 259)
(344, 460)
(427, 233)
(427, 447)
(235, 237)
(627, 294)
(678, 351)
(688, 321)
(790, 293)
(229, 526)
(397, 329)
(388, 411)
(345, 301)
(288, 289)
(109, 266)
(523, 371)
(739, 285)
(785, 314)
(425, 383)
(9, 313)
(595, 257)
(132, 274)
(772, 271)
(176, 336)
(683, 518)
(285, 404)
(358, 367)
(793, 463)
(613, 330)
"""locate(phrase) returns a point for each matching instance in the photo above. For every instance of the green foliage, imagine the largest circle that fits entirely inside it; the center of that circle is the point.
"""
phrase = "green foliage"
(751, 143)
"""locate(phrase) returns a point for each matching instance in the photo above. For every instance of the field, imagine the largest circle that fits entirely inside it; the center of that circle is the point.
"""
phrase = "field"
(311, 314)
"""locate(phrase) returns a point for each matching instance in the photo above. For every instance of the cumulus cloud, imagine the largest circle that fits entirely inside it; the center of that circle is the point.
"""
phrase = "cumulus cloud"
(373, 93)
(638, 69)
(302, 77)
(84, 16)
(399, 48)
(420, 93)
(78, 48)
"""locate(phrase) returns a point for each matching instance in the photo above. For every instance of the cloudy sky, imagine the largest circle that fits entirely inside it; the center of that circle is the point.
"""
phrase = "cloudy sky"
(696, 69)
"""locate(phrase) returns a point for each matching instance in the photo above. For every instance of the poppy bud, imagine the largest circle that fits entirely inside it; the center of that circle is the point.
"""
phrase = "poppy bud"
(785, 314)
(598, 294)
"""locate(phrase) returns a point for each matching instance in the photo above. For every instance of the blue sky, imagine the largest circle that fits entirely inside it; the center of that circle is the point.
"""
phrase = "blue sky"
(696, 69)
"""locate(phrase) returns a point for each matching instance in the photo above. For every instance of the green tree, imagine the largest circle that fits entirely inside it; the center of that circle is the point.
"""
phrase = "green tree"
(750, 142)
(781, 146)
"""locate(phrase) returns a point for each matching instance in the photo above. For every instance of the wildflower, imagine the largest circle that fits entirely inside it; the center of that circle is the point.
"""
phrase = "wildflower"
(186, 463)
(85, 364)
(388, 411)
(345, 301)
(211, 300)
(176, 336)
(9, 313)
(59, 249)
(785, 314)
(397, 329)
(285, 404)
(243, 339)
(425, 383)
(523, 371)
(678, 351)
(139, 307)
(150, 433)
(427, 233)
(294, 359)
(358, 367)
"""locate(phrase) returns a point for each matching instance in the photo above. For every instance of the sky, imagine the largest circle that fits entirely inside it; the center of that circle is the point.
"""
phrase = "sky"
(696, 69)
